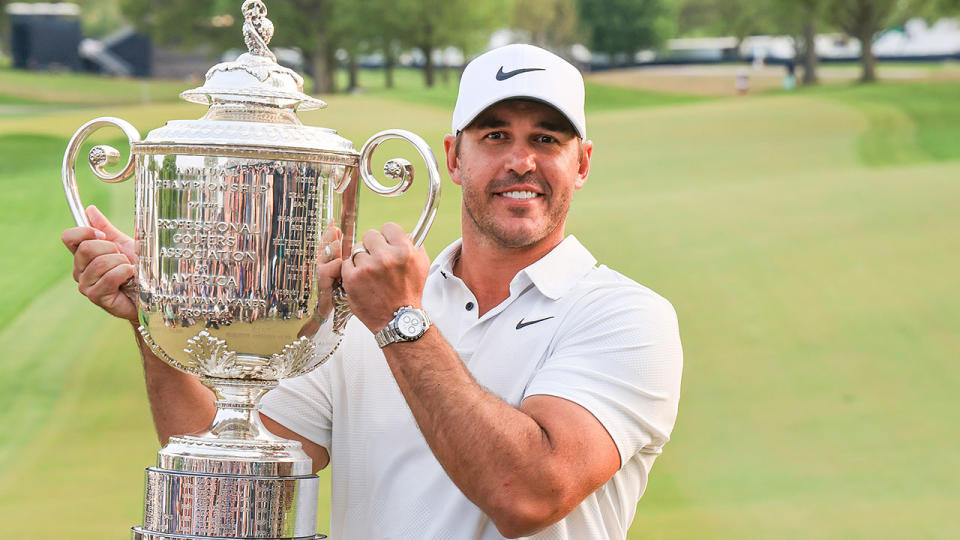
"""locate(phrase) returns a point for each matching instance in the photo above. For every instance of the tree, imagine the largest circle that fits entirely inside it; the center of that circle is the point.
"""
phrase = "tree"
(946, 8)
(810, 12)
(379, 32)
(550, 24)
(4, 25)
(187, 22)
(624, 27)
(737, 18)
(100, 17)
(310, 25)
(799, 18)
(862, 19)
(430, 25)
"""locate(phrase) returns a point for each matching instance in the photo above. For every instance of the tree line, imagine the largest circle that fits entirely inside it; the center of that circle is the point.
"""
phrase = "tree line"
(616, 28)
(804, 19)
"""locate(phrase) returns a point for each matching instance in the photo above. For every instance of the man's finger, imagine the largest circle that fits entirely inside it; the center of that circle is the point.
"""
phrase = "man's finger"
(394, 233)
(109, 283)
(90, 250)
(108, 294)
(116, 277)
(328, 273)
(330, 251)
(101, 266)
(374, 240)
(100, 221)
(330, 233)
(74, 235)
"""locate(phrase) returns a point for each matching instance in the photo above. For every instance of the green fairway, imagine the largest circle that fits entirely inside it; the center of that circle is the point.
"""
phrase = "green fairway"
(809, 242)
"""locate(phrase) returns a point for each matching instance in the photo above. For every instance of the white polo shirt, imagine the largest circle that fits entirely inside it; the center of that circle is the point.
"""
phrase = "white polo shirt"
(570, 329)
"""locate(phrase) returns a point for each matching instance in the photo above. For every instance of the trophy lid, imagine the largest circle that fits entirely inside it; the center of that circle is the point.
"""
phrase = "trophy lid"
(253, 101)
(255, 77)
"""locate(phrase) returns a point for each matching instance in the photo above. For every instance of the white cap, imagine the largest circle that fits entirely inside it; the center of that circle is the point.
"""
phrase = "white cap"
(520, 71)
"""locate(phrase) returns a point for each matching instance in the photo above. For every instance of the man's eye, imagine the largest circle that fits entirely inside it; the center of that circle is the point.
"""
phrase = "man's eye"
(546, 139)
(494, 135)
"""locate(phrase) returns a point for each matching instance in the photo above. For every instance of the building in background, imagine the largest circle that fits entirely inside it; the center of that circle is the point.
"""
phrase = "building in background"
(124, 53)
(45, 36)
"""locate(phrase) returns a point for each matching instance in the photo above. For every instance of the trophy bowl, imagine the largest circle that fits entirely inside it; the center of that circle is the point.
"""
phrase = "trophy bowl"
(238, 215)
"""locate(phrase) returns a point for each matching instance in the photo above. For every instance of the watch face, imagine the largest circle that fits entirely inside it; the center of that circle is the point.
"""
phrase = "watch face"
(410, 325)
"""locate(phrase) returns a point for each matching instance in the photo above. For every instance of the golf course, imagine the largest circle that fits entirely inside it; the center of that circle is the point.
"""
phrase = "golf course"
(809, 241)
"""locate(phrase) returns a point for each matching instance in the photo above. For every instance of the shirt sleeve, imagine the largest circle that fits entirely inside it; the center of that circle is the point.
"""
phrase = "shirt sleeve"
(304, 404)
(618, 355)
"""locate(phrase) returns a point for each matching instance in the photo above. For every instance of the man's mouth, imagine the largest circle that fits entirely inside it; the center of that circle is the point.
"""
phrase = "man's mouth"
(519, 195)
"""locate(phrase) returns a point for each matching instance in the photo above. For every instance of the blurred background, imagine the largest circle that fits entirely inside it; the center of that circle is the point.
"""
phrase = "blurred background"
(786, 172)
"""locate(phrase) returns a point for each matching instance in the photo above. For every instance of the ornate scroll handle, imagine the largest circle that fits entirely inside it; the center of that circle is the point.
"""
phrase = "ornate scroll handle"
(398, 169)
(257, 29)
(100, 157)
(402, 169)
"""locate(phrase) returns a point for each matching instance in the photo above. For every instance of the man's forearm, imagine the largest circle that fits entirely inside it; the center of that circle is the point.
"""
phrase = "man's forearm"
(497, 455)
(179, 403)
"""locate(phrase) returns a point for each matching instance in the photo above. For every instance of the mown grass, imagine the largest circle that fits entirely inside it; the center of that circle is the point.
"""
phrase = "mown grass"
(73, 88)
(28, 167)
(909, 122)
(814, 281)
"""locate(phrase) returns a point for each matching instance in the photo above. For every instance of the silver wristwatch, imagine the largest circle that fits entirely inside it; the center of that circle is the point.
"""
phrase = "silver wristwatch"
(408, 324)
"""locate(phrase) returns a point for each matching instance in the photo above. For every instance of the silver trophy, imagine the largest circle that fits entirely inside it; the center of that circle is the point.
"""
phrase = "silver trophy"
(235, 214)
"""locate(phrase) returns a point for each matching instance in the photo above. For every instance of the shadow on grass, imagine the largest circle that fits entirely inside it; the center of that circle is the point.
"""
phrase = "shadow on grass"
(909, 122)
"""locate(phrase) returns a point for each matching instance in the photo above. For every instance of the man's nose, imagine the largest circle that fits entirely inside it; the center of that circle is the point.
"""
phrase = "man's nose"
(521, 159)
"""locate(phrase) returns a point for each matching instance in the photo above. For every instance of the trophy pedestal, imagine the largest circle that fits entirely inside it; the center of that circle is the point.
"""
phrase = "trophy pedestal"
(235, 480)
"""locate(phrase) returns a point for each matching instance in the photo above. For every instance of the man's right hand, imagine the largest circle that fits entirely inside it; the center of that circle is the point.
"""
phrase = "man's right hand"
(103, 260)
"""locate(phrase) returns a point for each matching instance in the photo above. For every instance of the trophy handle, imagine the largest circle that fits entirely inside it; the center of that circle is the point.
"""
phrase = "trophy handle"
(402, 170)
(100, 157)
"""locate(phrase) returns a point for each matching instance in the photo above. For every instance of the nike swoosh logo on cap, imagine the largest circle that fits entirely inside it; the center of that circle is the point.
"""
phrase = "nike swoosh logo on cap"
(522, 324)
(501, 76)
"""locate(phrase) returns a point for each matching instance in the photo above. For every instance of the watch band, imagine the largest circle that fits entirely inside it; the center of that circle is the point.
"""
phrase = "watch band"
(386, 336)
(389, 334)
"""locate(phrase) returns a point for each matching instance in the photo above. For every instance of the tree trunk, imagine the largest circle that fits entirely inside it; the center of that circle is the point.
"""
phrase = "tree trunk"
(810, 59)
(320, 66)
(354, 70)
(318, 69)
(331, 68)
(867, 60)
(428, 67)
(388, 63)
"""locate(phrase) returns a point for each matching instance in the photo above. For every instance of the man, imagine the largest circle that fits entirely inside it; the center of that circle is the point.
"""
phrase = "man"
(536, 401)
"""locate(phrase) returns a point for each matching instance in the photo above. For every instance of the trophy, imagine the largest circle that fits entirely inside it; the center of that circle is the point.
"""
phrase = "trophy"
(236, 213)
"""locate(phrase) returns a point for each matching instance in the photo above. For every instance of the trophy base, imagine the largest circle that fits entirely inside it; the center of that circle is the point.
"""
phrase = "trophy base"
(233, 481)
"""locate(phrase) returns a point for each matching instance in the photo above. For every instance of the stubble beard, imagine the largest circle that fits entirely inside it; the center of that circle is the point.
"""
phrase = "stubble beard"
(514, 238)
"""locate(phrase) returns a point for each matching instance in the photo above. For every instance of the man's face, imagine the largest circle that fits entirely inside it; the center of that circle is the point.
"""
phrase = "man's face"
(519, 163)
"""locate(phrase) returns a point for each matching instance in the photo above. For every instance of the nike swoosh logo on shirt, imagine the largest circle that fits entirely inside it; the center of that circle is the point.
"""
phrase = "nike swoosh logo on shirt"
(521, 324)
(502, 76)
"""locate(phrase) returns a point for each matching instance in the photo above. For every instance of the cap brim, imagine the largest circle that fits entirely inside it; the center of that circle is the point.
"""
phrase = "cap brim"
(528, 96)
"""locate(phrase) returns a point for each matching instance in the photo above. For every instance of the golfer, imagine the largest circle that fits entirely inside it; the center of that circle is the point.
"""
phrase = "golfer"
(528, 390)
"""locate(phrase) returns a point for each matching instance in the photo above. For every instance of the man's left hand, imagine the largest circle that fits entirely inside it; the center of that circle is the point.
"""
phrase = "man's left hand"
(391, 274)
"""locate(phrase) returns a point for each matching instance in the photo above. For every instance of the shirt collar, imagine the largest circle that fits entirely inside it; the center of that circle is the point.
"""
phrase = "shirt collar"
(553, 275)
(443, 264)
(558, 271)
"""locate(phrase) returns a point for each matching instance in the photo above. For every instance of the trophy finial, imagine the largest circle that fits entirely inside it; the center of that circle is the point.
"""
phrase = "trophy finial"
(257, 28)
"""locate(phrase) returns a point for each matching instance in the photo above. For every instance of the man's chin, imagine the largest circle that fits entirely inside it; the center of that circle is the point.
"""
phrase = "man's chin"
(518, 238)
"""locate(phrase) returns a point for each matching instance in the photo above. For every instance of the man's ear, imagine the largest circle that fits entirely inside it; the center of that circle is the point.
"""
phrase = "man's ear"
(453, 163)
(584, 171)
